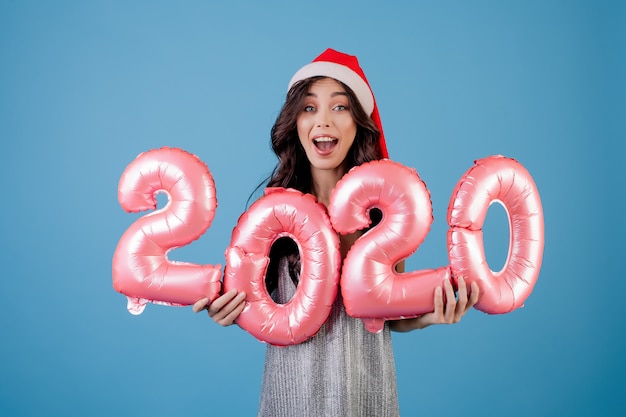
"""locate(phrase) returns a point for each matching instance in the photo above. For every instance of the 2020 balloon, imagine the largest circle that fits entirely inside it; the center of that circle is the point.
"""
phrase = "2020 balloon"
(371, 288)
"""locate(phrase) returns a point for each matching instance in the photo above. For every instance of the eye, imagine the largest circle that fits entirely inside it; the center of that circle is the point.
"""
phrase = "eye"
(340, 107)
(309, 108)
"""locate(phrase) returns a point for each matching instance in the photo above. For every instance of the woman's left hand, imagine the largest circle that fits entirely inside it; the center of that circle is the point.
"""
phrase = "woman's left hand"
(449, 312)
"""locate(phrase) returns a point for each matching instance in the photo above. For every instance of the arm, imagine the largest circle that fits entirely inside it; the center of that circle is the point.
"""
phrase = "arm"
(448, 313)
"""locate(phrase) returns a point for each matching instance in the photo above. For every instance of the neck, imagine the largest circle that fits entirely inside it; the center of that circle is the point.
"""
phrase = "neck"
(324, 181)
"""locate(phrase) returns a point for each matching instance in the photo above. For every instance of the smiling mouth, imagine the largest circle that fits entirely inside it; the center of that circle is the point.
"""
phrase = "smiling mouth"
(325, 144)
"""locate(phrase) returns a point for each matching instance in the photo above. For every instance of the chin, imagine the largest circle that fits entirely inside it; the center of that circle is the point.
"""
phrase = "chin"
(325, 165)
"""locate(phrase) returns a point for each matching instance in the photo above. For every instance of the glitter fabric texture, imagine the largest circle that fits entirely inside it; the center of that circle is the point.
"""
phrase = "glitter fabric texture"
(344, 370)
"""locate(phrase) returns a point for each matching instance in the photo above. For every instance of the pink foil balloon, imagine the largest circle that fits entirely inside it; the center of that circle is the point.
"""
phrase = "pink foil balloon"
(502, 180)
(141, 269)
(280, 213)
(370, 286)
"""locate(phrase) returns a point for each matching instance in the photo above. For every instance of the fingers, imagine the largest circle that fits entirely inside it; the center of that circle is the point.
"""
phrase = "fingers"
(467, 298)
(439, 308)
(455, 305)
(221, 301)
(232, 316)
(461, 302)
(200, 305)
(474, 294)
(450, 312)
(226, 308)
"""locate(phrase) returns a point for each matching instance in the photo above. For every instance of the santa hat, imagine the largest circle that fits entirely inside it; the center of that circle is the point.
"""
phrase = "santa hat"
(345, 68)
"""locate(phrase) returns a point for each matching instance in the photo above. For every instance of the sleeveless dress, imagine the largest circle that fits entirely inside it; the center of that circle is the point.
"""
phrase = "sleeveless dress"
(342, 371)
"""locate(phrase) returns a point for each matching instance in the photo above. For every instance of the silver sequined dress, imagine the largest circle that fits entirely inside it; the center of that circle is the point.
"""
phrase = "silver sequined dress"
(342, 371)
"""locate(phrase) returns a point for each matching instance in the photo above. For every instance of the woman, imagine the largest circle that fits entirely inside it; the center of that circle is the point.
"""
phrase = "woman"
(328, 124)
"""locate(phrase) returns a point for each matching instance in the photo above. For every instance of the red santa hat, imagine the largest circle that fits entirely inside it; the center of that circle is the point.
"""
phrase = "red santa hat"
(345, 68)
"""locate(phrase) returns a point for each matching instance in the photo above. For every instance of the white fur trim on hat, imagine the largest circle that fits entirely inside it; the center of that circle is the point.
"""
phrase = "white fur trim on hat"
(341, 73)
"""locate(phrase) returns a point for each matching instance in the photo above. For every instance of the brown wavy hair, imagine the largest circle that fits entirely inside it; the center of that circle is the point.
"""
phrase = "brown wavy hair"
(293, 169)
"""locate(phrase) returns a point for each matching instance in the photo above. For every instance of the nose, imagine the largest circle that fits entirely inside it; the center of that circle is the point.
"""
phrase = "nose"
(323, 119)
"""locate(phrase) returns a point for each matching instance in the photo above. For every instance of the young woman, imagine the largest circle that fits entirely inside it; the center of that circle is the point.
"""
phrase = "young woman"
(329, 124)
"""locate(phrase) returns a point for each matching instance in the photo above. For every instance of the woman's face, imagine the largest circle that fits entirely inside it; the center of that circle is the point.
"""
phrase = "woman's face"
(325, 125)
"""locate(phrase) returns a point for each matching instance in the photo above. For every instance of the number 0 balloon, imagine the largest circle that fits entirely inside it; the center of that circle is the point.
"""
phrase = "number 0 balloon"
(284, 213)
(505, 181)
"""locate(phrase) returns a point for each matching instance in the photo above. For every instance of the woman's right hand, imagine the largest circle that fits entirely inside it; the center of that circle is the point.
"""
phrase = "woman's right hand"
(225, 309)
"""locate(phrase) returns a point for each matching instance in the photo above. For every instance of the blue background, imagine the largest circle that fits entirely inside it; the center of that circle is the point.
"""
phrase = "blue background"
(87, 86)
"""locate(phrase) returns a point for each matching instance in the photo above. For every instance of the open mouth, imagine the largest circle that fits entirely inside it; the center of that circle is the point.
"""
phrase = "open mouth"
(325, 144)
